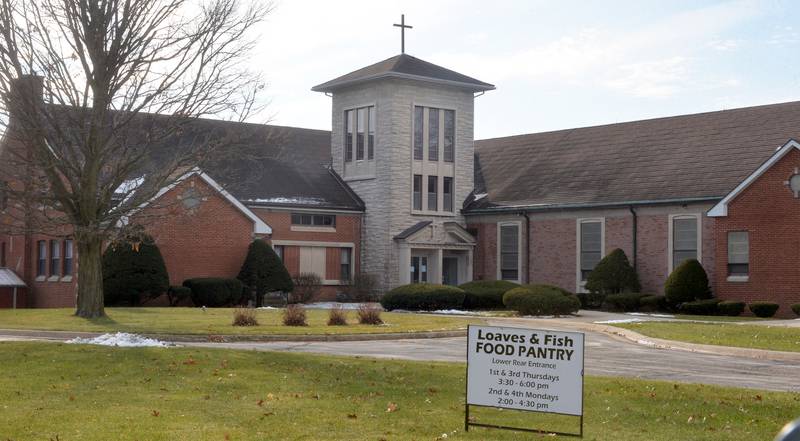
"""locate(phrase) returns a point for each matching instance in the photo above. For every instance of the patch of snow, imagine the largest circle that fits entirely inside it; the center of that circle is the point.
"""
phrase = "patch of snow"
(331, 305)
(645, 314)
(646, 342)
(120, 339)
(267, 307)
(480, 196)
(611, 322)
(286, 200)
(455, 312)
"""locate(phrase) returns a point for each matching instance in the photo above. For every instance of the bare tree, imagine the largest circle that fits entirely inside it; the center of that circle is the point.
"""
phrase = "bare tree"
(122, 80)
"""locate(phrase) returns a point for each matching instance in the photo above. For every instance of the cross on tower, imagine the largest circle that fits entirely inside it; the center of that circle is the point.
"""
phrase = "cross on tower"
(403, 26)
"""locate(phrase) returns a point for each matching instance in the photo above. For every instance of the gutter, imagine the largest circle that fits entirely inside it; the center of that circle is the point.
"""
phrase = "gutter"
(527, 246)
(633, 233)
(543, 207)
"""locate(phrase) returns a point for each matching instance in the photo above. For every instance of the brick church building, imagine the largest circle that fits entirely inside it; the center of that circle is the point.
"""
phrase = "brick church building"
(399, 189)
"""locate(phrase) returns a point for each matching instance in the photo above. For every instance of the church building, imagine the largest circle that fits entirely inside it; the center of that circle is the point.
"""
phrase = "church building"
(400, 190)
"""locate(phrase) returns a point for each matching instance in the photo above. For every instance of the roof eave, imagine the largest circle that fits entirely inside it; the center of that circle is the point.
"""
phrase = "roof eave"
(332, 86)
(577, 206)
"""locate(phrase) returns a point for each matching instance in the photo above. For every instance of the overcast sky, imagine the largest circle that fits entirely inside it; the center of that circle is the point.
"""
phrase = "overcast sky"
(556, 64)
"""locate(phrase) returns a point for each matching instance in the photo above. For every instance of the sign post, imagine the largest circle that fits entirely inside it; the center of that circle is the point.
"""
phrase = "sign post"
(525, 369)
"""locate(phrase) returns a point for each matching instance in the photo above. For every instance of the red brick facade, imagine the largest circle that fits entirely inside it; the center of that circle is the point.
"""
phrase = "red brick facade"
(770, 213)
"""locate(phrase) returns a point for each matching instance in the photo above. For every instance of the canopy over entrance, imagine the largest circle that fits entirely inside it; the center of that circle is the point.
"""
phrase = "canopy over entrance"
(9, 279)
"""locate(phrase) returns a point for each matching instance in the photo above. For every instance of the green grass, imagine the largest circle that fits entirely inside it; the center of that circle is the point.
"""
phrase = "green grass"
(776, 338)
(74, 392)
(215, 321)
(721, 318)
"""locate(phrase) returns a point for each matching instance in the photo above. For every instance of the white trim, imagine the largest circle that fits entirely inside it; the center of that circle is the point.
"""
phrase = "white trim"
(304, 210)
(579, 284)
(518, 224)
(699, 219)
(738, 279)
(721, 209)
(310, 243)
(312, 229)
(260, 227)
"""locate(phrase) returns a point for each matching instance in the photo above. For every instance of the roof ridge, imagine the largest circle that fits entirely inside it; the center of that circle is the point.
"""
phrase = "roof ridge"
(655, 118)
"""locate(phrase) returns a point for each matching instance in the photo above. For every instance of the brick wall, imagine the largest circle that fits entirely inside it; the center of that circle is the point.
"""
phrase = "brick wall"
(553, 247)
(771, 214)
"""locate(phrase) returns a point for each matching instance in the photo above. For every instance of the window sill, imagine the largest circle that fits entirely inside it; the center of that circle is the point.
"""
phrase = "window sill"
(738, 279)
(66, 279)
(313, 229)
(433, 213)
(53, 279)
(40, 278)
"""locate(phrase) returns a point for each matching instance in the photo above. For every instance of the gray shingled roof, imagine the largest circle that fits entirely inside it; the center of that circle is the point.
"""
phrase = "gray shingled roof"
(404, 66)
(689, 157)
(405, 234)
(8, 279)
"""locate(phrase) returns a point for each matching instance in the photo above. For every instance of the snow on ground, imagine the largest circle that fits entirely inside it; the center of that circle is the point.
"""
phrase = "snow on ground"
(120, 339)
(611, 322)
(646, 342)
(455, 312)
(331, 305)
(647, 314)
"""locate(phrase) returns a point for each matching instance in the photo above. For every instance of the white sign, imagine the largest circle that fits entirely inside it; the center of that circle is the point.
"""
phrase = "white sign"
(525, 369)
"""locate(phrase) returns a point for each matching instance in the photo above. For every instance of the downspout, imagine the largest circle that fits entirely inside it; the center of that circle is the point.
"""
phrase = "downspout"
(527, 247)
(633, 235)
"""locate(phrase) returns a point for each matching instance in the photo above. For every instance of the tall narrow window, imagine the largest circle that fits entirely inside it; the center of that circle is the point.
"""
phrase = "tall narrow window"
(684, 240)
(348, 136)
(55, 258)
(346, 258)
(591, 237)
(419, 127)
(417, 203)
(738, 253)
(279, 251)
(361, 122)
(449, 135)
(447, 193)
(68, 257)
(2, 254)
(433, 193)
(3, 195)
(371, 140)
(419, 269)
(509, 252)
(433, 134)
(41, 258)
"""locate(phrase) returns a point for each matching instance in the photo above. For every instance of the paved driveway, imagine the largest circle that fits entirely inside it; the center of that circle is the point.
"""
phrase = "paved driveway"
(605, 355)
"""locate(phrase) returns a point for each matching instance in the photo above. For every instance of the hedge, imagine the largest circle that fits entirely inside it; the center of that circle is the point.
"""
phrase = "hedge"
(177, 294)
(730, 308)
(763, 309)
(263, 272)
(700, 307)
(687, 282)
(613, 275)
(486, 294)
(133, 272)
(215, 291)
(796, 308)
(625, 302)
(653, 303)
(541, 300)
(423, 297)
(591, 300)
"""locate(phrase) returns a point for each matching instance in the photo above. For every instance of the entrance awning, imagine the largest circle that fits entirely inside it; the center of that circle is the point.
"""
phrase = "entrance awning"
(9, 279)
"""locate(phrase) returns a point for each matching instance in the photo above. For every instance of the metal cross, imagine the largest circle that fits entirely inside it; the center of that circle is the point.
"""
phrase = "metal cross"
(403, 26)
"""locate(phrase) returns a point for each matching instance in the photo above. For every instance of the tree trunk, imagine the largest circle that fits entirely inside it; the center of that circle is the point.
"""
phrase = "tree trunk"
(90, 276)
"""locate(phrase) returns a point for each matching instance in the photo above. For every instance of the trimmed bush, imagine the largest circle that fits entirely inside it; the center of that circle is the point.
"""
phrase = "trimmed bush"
(687, 282)
(591, 300)
(486, 294)
(244, 317)
(763, 309)
(541, 300)
(700, 307)
(361, 288)
(177, 294)
(626, 301)
(731, 308)
(263, 272)
(214, 291)
(796, 308)
(133, 272)
(337, 316)
(369, 315)
(294, 315)
(613, 275)
(653, 303)
(306, 287)
(423, 297)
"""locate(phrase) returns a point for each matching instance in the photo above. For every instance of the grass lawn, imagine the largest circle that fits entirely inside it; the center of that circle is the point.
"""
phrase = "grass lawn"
(76, 392)
(776, 338)
(215, 321)
(721, 318)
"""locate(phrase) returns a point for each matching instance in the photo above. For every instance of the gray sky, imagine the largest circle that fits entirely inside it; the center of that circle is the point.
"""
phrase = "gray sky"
(556, 64)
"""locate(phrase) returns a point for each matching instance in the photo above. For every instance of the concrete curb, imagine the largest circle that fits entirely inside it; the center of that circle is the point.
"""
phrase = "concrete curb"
(264, 338)
(657, 343)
